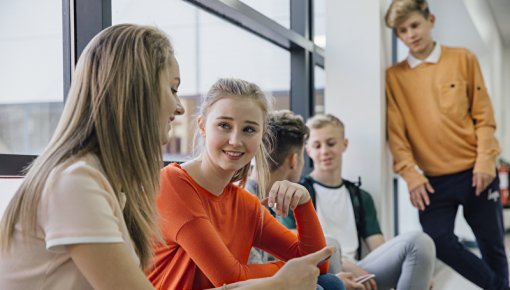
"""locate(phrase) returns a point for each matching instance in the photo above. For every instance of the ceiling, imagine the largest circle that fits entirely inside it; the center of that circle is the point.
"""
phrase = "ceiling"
(501, 11)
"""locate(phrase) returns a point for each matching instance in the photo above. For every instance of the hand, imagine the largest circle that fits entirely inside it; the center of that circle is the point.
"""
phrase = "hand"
(357, 271)
(419, 195)
(481, 181)
(302, 273)
(285, 195)
(348, 280)
(368, 281)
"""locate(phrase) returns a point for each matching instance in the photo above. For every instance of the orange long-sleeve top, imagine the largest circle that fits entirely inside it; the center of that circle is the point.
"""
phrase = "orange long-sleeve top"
(440, 117)
(208, 237)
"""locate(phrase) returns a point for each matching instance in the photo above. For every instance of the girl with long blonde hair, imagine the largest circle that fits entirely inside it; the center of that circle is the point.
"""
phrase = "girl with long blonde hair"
(84, 216)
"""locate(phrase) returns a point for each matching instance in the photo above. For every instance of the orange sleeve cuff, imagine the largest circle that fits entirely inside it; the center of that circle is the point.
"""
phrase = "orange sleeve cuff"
(413, 178)
(306, 217)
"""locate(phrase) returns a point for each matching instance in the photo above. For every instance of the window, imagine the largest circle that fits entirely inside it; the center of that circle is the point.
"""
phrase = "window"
(208, 48)
(229, 40)
(279, 10)
(31, 74)
(320, 82)
(319, 22)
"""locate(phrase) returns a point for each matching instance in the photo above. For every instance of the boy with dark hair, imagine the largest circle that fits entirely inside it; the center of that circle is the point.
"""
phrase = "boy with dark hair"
(440, 119)
(287, 133)
(285, 138)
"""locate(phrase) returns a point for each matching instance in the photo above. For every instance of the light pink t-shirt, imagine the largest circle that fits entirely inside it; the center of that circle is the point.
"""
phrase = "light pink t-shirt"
(77, 206)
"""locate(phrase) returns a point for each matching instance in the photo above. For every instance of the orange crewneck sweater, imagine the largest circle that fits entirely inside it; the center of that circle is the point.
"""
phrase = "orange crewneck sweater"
(208, 238)
(440, 117)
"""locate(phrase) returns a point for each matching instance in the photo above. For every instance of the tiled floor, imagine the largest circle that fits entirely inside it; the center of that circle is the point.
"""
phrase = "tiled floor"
(447, 279)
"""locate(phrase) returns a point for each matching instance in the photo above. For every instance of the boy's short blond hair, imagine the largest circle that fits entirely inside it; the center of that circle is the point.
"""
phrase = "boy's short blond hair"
(400, 9)
(321, 120)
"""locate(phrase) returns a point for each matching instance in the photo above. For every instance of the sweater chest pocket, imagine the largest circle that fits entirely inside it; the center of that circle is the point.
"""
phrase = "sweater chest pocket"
(453, 98)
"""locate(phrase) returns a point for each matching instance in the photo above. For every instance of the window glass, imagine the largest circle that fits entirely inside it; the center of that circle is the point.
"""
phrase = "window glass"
(208, 48)
(319, 22)
(278, 10)
(320, 81)
(31, 74)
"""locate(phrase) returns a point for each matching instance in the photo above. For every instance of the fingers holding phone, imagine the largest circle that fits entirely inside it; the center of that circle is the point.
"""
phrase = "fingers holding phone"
(367, 280)
(348, 280)
(302, 273)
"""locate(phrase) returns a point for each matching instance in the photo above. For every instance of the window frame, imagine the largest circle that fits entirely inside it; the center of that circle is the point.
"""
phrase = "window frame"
(82, 19)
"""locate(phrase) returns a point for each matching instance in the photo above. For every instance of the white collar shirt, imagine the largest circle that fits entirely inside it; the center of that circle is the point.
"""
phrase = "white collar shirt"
(434, 57)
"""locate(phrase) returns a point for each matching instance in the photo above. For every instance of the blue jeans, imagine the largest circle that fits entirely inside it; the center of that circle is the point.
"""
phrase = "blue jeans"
(329, 282)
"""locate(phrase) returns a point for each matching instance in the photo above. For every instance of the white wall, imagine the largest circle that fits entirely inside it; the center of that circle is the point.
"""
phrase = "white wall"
(357, 53)
(505, 126)
(492, 63)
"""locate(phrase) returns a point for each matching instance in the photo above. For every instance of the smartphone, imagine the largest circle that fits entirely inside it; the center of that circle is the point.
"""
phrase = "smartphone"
(364, 278)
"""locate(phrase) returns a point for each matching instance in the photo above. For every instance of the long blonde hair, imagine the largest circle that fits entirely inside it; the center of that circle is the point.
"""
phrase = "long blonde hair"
(237, 88)
(113, 111)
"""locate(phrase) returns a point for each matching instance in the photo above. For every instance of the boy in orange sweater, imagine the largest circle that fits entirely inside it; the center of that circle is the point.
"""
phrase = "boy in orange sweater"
(440, 119)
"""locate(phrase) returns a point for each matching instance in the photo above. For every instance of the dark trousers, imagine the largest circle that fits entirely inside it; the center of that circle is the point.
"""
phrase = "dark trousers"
(485, 217)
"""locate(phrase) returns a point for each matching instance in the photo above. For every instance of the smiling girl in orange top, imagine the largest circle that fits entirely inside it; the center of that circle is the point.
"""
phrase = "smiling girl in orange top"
(210, 223)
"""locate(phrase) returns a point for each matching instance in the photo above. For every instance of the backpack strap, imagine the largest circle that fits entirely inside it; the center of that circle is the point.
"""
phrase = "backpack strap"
(359, 211)
(307, 182)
